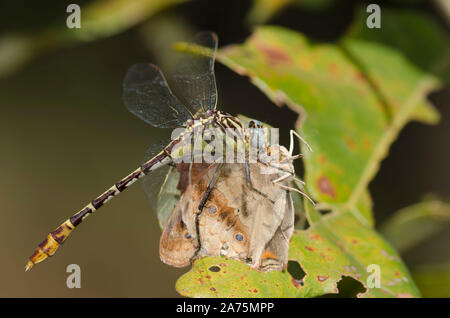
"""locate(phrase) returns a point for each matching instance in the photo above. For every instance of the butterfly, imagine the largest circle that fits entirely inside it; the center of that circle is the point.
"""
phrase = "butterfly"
(252, 223)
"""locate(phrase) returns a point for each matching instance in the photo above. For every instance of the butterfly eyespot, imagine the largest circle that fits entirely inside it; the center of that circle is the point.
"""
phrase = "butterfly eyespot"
(212, 209)
(251, 124)
(239, 237)
(187, 235)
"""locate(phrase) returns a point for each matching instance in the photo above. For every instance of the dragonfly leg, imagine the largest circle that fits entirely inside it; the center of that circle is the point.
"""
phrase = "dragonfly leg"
(205, 197)
(210, 187)
(247, 175)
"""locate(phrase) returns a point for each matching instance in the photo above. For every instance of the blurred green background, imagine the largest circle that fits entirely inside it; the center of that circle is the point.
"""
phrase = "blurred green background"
(66, 136)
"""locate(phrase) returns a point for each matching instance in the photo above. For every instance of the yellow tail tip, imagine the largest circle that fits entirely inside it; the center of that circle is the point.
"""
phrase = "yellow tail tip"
(28, 266)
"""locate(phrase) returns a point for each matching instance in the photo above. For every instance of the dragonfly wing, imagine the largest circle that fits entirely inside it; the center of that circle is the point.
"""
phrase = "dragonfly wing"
(147, 95)
(194, 73)
(158, 182)
(165, 185)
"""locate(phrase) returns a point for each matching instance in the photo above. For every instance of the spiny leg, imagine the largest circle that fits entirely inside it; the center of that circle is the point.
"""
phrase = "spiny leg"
(205, 197)
(298, 182)
(291, 146)
(211, 184)
(297, 190)
(288, 174)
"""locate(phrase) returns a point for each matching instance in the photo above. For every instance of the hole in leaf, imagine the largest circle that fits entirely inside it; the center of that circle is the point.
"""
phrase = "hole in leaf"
(325, 212)
(295, 270)
(348, 287)
(214, 269)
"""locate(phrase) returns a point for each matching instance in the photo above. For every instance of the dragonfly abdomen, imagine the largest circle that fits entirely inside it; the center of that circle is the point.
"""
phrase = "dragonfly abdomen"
(56, 238)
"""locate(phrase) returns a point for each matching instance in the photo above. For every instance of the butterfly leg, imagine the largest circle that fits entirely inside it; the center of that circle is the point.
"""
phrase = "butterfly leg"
(287, 175)
(299, 191)
(291, 146)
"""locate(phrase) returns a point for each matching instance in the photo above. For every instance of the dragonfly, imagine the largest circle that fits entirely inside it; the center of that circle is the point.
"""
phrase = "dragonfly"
(147, 95)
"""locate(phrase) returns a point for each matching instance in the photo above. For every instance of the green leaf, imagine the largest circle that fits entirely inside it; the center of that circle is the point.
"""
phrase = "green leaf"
(414, 224)
(222, 277)
(331, 248)
(353, 99)
(263, 10)
(104, 18)
(99, 19)
(412, 39)
(433, 280)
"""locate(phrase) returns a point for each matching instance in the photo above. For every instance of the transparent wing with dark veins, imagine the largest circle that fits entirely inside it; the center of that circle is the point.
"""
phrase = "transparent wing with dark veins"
(163, 185)
(160, 185)
(147, 95)
(194, 73)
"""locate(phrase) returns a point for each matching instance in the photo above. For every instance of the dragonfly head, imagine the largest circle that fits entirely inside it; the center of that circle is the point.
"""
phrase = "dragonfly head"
(257, 134)
(255, 124)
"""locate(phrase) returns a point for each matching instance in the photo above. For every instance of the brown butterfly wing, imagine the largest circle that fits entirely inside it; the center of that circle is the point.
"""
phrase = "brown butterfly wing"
(177, 246)
(222, 227)
(275, 255)
(265, 202)
(246, 223)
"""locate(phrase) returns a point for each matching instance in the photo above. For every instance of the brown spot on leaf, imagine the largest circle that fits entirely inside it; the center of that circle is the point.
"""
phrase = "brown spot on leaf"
(255, 291)
(317, 237)
(309, 248)
(355, 241)
(325, 186)
(200, 281)
(305, 64)
(322, 278)
(350, 143)
(322, 159)
(332, 68)
(274, 56)
(212, 289)
(359, 76)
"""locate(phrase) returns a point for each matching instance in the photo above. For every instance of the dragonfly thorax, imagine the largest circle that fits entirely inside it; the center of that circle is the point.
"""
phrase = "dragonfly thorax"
(214, 119)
